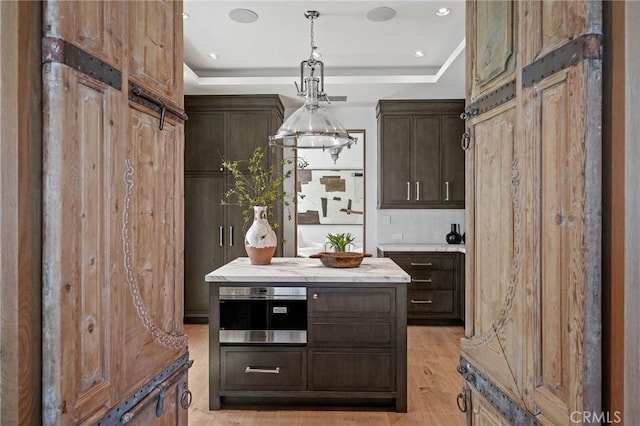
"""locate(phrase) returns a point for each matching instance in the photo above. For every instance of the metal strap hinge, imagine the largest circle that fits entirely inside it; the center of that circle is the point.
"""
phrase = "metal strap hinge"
(491, 100)
(502, 402)
(587, 46)
(153, 391)
(62, 52)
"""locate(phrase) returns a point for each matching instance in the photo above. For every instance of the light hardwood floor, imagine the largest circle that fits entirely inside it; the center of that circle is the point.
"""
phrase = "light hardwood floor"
(432, 381)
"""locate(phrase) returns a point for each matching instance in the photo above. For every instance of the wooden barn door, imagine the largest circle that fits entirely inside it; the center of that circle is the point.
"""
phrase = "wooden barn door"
(114, 351)
(532, 348)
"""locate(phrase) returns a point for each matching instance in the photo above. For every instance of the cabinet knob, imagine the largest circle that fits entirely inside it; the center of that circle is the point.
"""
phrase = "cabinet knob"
(315, 296)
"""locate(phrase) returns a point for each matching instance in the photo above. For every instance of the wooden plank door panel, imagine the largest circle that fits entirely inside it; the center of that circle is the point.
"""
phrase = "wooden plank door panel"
(151, 230)
(155, 41)
(96, 26)
(112, 212)
(533, 210)
(491, 52)
(80, 309)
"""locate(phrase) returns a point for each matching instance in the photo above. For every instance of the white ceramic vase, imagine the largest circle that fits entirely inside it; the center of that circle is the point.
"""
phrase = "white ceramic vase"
(260, 239)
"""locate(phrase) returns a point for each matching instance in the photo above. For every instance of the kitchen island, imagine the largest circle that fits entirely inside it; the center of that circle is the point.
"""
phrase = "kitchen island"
(297, 333)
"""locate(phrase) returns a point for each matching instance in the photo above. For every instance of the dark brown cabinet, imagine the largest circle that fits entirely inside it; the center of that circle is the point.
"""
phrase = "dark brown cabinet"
(436, 292)
(421, 162)
(219, 127)
(355, 352)
(352, 339)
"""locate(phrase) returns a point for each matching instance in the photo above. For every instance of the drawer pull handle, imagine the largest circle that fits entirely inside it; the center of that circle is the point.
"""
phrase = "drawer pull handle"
(421, 264)
(421, 302)
(414, 280)
(262, 370)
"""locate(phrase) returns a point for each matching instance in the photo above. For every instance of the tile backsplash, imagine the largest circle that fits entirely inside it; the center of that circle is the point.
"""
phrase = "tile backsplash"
(417, 226)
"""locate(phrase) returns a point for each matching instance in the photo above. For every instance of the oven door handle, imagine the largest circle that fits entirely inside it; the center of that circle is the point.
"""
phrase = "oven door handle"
(275, 370)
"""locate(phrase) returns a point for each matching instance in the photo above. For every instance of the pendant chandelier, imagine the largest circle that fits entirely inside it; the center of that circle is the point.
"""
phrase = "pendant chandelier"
(311, 126)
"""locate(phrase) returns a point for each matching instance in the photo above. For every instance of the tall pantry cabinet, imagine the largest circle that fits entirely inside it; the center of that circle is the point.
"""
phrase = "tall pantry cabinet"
(219, 127)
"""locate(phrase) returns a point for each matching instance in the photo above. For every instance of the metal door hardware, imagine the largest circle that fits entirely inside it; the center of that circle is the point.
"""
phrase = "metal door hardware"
(466, 141)
(150, 100)
(153, 391)
(63, 52)
(462, 400)
(587, 46)
(491, 100)
(502, 402)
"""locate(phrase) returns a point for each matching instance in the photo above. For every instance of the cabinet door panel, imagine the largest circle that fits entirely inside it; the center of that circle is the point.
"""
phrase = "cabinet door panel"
(234, 229)
(204, 241)
(204, 141)
(452, 189)
(352, 371)
(425, 160)
(395, 173)
(244, 132)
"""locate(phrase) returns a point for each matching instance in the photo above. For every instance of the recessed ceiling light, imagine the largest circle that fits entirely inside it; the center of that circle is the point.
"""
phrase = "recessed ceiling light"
(185, 15)
(381, 14)
(418, 53)
(243, 16)
(213, 56)
(443, 11)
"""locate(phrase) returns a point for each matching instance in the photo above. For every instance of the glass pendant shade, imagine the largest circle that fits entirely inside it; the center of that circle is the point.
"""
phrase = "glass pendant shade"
(311, 126)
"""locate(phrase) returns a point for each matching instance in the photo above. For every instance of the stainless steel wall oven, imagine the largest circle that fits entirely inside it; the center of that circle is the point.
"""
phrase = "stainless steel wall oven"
(263, 315)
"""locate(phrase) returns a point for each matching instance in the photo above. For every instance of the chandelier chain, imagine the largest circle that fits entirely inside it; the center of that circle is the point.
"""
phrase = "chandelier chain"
(312, 34)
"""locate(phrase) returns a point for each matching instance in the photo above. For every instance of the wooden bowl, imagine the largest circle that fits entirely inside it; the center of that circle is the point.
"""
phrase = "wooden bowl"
(340, 259)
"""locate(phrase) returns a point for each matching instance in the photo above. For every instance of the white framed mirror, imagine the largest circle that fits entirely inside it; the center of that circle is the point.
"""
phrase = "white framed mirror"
(332, 196)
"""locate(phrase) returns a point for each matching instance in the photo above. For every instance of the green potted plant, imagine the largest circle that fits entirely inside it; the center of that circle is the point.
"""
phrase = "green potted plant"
(257, 188)
(339, 242)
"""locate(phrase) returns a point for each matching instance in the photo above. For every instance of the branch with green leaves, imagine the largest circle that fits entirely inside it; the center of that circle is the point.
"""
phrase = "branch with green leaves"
(258, 185)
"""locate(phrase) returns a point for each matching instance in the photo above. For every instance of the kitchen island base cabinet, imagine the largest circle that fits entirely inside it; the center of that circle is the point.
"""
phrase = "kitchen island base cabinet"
(355, 352)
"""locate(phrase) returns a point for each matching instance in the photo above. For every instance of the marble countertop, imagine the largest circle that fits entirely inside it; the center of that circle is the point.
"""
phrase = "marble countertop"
(296, 269)
(459, 248)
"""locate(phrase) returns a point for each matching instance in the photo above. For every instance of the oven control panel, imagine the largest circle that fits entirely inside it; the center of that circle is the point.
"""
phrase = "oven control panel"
(277, 293)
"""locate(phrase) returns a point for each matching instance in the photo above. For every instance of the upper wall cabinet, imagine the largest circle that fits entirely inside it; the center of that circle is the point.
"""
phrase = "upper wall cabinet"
(421, 162)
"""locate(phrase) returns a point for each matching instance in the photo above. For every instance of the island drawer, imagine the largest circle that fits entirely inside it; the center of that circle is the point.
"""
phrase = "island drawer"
(424, 262)
(262, 368)
(339, 370)
(431, 301)
(349, 302)
(351, 333)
